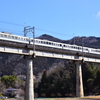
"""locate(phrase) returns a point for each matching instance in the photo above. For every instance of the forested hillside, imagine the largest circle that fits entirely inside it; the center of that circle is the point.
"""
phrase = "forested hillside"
(56, 77)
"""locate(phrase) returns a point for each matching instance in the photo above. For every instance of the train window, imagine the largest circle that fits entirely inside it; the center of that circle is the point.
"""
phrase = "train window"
(2, 35)
(16, 37)
(93, 50)
(56, 44)
(46, 42)
(12, 37)
(36, 41)
(24, 39)
(5, 35)
(52, 43)
(87, 49)
(84, 49)
(66, 46)
(41, 41)
(19, 38)
(60, 44)
(31, 40)
(74, 47)
(49, 43)
(8, 36)
(27, 39)
(79, 48)
(97, 51)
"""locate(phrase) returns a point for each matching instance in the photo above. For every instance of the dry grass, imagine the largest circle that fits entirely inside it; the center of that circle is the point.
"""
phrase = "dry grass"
(84, 98)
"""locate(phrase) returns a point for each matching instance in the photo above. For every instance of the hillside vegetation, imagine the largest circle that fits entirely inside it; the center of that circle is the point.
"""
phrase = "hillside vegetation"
(55, 77)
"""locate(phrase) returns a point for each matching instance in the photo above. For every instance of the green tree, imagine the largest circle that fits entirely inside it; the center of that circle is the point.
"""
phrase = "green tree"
(89, 75)
(9, 80)
(58, 83)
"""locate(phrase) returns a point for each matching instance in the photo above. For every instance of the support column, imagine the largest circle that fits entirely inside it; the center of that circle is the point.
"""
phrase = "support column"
(29, 93)
(79, 82)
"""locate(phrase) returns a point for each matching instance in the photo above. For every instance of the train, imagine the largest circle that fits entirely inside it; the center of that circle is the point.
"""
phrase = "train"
(41, 42)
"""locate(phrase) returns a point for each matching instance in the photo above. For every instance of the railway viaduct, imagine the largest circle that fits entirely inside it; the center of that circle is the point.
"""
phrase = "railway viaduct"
(43, 51)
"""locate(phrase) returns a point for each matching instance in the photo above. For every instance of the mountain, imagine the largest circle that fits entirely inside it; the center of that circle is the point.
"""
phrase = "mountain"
(48, 37)
(91, 41)
(16, 64)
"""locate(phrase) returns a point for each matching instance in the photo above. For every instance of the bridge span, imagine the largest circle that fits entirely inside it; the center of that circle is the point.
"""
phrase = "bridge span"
(36, 47)
(45, 51)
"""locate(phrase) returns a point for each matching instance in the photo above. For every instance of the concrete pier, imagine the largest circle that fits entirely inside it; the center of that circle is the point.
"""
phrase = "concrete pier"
(29, 93)
(79, 82)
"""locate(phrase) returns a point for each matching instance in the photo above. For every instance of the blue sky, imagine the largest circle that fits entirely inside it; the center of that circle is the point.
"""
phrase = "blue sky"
(63, 19)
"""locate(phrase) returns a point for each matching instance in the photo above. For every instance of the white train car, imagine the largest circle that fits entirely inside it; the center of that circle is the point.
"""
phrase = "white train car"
(47, 43)
(14, 38)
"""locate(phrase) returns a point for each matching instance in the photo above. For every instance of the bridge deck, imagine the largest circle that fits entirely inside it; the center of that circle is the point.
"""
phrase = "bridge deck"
(26, 49)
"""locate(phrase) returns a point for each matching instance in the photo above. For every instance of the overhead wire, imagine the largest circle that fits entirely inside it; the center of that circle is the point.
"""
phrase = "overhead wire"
(10, 30)
(39, 29)
(11, 23)
(51, 32)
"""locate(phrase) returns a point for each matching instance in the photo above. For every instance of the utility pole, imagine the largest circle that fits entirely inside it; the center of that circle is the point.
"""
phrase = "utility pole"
(27, 30)
(29, 93)
(74, 38)
(83, 49)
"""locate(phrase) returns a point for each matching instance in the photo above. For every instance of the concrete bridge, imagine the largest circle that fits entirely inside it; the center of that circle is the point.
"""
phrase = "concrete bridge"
(11, 44)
